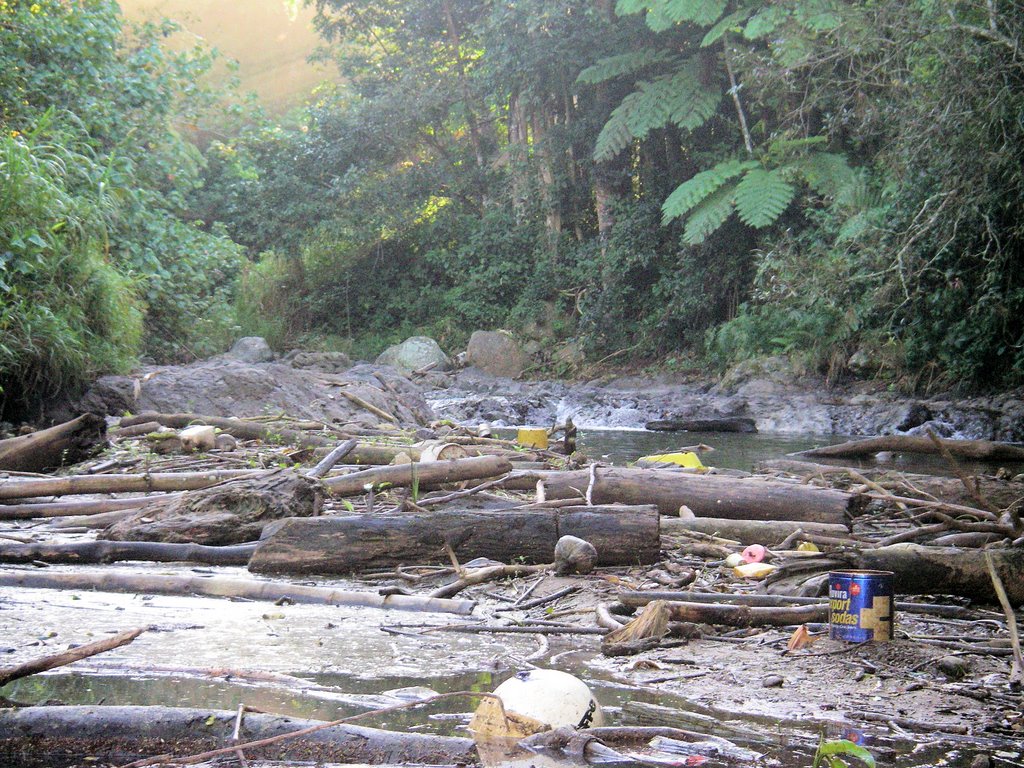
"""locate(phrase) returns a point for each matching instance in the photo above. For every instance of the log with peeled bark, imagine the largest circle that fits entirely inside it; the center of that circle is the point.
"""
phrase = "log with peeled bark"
(243, 430)
(113, 551)
(706, 494)
(106, 580)
(426, 475)
(766, 532)
(117, 734)
(979, 450)
(349, 544)
(62, 444)
(70, 485)
(1002, 493)
(702, 425)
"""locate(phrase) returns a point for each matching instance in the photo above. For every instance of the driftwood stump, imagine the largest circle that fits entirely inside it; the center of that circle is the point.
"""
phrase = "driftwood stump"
(233, 512)
(65, 443)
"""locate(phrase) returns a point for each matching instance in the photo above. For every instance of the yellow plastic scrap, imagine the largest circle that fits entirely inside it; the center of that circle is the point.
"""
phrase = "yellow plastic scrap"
(685, 459)
(807, 546)
(753, 570)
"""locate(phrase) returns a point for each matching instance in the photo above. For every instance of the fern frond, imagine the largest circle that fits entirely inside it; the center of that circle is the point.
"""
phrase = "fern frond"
(762, 196)
(730, 22)
(818, 15)
(691, 192)
(678, 98)
(611, 67)
(709, 215)
(765, 22)
(616, 134)
(826, 173)
(699, 12)
(627, 7)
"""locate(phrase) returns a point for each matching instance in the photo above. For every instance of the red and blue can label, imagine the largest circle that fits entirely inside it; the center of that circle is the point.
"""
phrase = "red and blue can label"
(860, 605)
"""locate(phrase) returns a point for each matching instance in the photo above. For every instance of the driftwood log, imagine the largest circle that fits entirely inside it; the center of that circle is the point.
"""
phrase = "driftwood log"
(106, 580)
(426, 475)
(72, 508)
(1002, 493)
(71, 485)
(980, 450)
(8, 674)
(917, 570)
(702, 425)
(243, 430)
(83, 552)
(746, 615)
(118, 734)
(338, 545)
(65, 443)
(766, 532)
(707, 495)
(636, 599)
(230, 513)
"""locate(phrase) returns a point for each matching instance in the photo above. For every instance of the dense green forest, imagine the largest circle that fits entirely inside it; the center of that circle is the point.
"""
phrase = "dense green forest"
(678, 182)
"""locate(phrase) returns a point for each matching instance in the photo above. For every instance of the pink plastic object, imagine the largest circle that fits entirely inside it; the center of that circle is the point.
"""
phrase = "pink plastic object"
(754, 553)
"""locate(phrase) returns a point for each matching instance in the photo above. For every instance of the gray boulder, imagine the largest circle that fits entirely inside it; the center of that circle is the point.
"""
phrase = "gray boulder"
(496, 353)
(251, 349)
(415, 353)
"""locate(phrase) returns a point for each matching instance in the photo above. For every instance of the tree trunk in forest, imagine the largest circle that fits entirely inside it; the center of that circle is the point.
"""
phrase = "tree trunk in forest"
(338, 545)
(706, 495)
(65, 443)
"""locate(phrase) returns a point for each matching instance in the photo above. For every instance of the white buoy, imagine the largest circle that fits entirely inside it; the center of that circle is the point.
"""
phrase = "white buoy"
(538, 700)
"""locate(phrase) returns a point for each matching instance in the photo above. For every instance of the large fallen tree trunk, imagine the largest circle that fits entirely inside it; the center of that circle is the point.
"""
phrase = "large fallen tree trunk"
(426, 475)
(702, 425)
(119, 734)
(230, 513)
(917, 570)
(243, 430)
(765, 532)
(331, 545)
(949, 570)
(65, 443)
(1002, 493)
(70, 485)
(219, 586)
(980, 450)
(114, 551)
(707, 495)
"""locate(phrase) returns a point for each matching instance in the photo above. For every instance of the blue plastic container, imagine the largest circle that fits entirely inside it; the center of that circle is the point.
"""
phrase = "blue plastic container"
(860, 606)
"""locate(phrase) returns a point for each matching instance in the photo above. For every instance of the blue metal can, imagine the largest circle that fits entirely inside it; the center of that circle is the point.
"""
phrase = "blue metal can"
(860, 605)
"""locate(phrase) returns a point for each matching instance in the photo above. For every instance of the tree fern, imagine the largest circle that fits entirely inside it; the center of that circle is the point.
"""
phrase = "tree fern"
(762, 196)
(765, 22)
(826, 173)
(662, 14)
(693, 191)
(616, 134)
(679, 98)
(730, 22)
(611, 67)
(709, 215)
